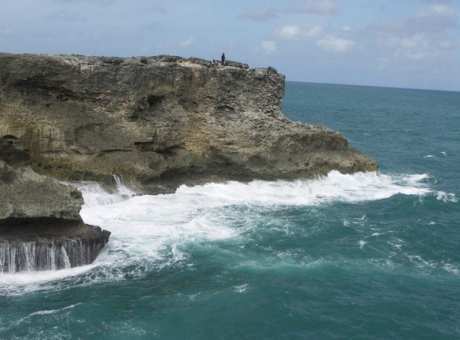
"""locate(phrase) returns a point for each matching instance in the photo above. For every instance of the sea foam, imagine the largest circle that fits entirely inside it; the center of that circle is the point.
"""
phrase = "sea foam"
(151, 230)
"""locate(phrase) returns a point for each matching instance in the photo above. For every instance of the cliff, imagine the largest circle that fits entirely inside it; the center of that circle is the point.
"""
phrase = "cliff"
(160, 121)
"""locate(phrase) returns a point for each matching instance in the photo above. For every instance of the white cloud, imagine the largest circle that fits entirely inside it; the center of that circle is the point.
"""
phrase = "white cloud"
(430, 34)
(312, 31)
(328, 42)
(418, 46)
(439, 10)
(336, 44)
(289, 32)
(319, 7)
(269, 46)
(304, 7)
(187, 43)
(294, 32)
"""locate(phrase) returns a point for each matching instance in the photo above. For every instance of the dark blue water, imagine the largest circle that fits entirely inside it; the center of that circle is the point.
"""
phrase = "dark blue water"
(366, 256)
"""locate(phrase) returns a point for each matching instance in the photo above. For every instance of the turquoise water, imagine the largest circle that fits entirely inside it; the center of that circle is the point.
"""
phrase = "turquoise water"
(365, 256)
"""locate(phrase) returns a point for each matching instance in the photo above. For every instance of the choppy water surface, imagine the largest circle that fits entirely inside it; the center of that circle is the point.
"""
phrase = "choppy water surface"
(364, 256)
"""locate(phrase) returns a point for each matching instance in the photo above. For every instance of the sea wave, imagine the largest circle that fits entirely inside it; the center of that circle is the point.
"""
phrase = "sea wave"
(335, 187)
(151, 230)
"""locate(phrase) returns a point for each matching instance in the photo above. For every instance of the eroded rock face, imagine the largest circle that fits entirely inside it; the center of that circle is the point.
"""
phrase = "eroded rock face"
(160, 121)
(40, 225)
(24, 194)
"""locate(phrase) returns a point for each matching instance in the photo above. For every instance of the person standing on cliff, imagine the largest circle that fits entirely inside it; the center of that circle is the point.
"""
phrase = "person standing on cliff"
(223, 58)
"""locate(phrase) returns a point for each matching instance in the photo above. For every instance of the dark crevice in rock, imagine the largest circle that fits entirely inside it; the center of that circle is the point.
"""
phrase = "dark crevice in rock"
(154, 100)
(12, 151)
(157, 147)
(147, 107)
(169, 151)
(41, 86)
(107, 151)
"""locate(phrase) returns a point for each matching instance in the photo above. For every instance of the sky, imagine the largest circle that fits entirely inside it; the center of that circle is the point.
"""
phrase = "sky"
(397, 43)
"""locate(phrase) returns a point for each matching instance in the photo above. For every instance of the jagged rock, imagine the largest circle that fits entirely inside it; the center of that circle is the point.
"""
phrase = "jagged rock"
(24, 194)
(160, 121)
(40, 224)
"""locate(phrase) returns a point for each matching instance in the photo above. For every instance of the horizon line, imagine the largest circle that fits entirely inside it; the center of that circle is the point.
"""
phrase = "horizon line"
(376, 86)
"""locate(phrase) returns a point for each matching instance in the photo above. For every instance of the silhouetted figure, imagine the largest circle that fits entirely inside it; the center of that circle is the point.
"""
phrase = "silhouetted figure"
(223, 59)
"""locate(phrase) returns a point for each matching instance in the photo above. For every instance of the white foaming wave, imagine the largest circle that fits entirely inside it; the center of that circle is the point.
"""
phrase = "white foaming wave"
(153, 229)
(241, 289)
(19, 283)
(150, 226)
(336, 187)
(53, 311)
(192, 212)
(446, 197)
(95, 195)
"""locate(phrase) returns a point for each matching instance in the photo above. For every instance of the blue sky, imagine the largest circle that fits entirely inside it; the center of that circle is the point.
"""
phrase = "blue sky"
(403, 43)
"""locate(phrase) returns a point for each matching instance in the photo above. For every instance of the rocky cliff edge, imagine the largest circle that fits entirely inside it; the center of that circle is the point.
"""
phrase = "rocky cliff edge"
(160, 121)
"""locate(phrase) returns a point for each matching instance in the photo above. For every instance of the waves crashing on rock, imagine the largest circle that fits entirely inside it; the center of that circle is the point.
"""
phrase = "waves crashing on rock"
(37, 256)
(65, 247)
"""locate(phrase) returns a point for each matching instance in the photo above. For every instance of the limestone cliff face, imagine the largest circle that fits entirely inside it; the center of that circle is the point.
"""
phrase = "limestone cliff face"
(160, 121)
(28, 195)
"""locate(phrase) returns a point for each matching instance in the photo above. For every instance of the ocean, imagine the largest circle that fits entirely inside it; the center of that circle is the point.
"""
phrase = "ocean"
(363, 256)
